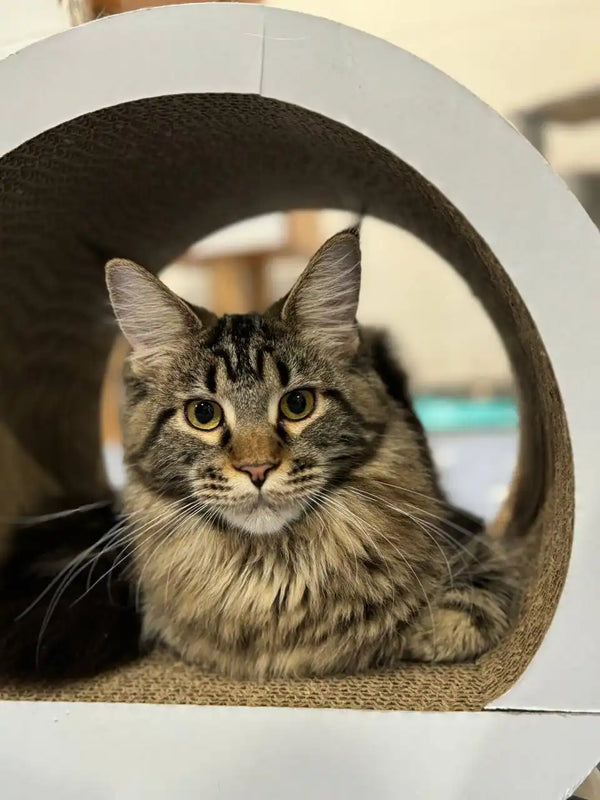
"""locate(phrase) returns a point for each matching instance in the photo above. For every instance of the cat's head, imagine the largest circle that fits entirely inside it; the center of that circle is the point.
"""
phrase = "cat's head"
(247, 420)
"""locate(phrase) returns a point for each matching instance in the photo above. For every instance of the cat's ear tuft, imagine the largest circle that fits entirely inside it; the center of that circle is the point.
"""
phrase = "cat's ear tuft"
(153, 319)
(323, 302)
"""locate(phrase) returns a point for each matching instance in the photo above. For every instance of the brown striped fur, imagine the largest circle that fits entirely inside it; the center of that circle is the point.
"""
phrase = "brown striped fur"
(349, 557)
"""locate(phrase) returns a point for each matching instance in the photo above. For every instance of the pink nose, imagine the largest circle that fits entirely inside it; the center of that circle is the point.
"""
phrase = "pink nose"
(257, 472)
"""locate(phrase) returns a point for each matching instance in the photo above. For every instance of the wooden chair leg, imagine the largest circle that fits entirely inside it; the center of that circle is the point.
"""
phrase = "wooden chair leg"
(111, 393)
(230, 285)
(259, 290)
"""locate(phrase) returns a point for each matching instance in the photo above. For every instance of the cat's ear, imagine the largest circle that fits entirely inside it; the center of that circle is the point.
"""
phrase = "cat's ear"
(153, 319)
(323, 302)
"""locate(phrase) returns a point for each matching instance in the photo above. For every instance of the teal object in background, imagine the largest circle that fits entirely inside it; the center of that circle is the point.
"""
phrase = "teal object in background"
(466, 413)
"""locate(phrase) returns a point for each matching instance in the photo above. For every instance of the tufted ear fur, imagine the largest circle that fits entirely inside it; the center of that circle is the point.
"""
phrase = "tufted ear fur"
(152, 318)
(323, 302)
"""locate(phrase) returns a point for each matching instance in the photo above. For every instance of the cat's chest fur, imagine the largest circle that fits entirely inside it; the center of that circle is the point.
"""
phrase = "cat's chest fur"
(303, 603)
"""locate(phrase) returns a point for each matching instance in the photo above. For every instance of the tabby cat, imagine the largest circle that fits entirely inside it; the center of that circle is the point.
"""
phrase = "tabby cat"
(282, 515)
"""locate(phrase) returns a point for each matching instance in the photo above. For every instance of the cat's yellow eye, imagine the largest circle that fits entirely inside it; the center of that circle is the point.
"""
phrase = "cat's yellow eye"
(205, 415)
(297, 405)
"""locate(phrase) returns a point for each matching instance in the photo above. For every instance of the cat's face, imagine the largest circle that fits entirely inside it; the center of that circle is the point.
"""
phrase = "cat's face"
(247, 420)
(253, 429)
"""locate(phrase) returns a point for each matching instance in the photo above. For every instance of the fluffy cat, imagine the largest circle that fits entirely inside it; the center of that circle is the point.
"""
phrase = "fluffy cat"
(282, 515)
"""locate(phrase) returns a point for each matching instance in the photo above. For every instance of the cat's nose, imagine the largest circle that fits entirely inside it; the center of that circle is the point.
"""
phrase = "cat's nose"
(257, 472)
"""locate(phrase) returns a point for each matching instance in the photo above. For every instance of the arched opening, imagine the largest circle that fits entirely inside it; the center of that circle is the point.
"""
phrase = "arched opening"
(102, 186)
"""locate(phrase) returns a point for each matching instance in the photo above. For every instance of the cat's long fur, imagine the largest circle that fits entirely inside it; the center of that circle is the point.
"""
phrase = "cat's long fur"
(349, 557)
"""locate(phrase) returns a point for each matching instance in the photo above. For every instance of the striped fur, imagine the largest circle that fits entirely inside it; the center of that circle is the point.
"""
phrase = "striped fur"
(349, 557)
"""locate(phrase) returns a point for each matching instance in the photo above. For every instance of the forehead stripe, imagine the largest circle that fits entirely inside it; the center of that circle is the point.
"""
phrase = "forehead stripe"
(216, 333)
(260, 363)
(284, 373)
(211, 378)
(221, 353)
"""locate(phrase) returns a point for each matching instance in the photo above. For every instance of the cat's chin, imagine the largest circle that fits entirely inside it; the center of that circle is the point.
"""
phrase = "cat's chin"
(261, 521)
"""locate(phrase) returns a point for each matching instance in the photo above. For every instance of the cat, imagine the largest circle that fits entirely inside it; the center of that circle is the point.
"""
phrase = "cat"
(282, 516)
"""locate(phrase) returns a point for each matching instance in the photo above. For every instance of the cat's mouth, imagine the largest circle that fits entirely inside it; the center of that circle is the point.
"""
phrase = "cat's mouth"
(260, 515)
(262, 502)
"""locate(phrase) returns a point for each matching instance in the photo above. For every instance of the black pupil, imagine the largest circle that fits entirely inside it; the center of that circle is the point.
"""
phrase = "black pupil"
(296, 402)
(205, 413)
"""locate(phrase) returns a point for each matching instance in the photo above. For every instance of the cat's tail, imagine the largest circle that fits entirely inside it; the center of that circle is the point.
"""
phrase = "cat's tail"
(67, 608)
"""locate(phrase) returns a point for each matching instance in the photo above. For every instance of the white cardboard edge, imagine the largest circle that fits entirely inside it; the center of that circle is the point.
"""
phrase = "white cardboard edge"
(125, 58)
(97, 751)
(536, 228)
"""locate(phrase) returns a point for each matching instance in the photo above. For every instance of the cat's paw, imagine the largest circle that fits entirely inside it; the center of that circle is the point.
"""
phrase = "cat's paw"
(446, 634)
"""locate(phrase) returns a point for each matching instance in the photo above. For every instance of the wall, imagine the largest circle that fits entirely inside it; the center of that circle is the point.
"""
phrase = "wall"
(25, 21)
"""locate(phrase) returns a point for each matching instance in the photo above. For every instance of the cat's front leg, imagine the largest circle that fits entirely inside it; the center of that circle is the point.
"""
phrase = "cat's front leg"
(458, 626)
(473, 611)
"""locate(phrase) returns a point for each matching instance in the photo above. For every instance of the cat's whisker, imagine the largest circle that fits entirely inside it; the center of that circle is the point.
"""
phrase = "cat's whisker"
(41, 518)
(189, 510)
(152, 529)
(468, 558)
(414, 519)
(447, 536)
(118, 544)
(64, 578)
(73, 569)
(438, 501)
(345, 513)
(450, 523)
(71, 564)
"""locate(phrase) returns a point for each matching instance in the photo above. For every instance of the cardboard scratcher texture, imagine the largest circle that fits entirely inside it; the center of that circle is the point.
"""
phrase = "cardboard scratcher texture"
(146, 179)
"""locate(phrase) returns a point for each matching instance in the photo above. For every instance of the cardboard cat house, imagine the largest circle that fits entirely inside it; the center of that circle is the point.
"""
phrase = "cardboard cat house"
(261, 110)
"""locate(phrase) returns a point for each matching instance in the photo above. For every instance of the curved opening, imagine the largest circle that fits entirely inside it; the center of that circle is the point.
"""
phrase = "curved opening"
(101, 186)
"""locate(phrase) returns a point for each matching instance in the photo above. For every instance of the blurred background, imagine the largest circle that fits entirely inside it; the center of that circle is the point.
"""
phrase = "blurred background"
(537, 62)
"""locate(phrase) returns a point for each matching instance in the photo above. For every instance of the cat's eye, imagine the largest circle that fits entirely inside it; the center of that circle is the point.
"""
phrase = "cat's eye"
(205, 415)
(297, 405)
